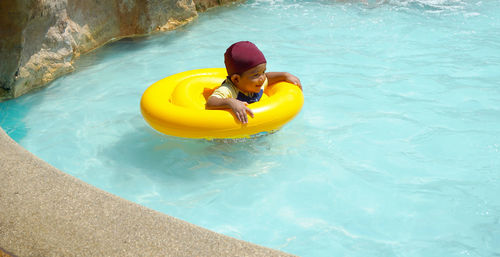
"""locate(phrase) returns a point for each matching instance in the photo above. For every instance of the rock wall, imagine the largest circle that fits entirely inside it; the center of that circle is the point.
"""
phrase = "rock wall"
(39, 39)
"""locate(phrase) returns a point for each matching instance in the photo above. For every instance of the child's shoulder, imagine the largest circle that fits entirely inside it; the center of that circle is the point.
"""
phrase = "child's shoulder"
(226, 90)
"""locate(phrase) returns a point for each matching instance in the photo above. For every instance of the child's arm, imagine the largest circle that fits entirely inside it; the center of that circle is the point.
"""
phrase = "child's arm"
(274, 77)
(239, 108)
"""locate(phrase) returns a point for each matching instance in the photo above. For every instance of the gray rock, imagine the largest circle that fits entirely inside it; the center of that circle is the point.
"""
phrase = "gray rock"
(40, 39)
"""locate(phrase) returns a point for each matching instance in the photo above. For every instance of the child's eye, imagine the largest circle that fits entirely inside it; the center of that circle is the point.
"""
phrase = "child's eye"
(256, 75)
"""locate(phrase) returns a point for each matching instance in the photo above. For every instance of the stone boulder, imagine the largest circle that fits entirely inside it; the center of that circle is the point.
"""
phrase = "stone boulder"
(39, 39)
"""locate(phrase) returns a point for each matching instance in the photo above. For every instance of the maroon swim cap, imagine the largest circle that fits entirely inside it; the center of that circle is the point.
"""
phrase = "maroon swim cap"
(242, 56)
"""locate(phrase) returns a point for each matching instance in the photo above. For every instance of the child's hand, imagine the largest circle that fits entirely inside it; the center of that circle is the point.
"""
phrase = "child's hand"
(240, 109)
(292, 79)
(274, 77)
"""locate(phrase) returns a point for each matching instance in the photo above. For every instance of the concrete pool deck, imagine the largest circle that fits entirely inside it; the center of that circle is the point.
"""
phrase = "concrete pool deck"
(46, 212)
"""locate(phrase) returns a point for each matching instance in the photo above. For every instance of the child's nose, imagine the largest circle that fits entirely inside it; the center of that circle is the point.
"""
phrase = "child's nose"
(262, 78)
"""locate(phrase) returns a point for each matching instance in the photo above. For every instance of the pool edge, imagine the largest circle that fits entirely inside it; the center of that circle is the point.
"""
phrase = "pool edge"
(47, 212)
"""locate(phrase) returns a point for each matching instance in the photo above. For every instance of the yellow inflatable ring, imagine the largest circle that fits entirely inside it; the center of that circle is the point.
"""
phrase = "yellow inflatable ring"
(175, 106)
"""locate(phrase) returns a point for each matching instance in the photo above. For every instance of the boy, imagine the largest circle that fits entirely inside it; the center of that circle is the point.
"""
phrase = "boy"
(246, 80)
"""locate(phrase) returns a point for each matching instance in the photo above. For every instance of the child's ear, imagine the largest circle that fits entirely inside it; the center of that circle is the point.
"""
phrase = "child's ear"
(235, 78)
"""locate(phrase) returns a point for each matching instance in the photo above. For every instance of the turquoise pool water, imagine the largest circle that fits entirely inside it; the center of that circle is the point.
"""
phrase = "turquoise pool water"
(395, 153)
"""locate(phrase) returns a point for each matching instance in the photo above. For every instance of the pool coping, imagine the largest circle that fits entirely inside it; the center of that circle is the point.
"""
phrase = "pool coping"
(46, 212)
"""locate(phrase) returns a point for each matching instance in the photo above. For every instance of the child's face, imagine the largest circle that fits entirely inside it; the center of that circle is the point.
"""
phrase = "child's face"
(251, 80)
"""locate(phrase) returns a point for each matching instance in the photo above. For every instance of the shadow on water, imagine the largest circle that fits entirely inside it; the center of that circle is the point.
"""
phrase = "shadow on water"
(130, 46)
(10, 120)
(113, 50)
(14, 111)
(159, 156)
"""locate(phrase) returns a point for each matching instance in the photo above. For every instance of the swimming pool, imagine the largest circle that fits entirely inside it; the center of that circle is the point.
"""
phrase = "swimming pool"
(395, 153)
